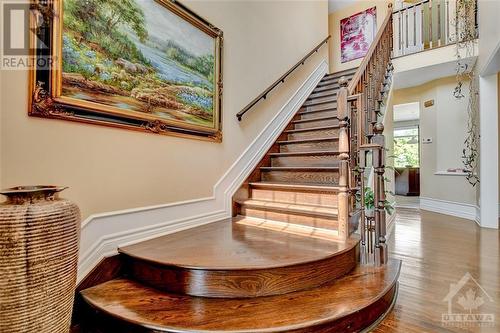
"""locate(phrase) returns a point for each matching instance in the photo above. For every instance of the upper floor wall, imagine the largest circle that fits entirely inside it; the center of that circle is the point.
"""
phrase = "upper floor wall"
(427, 25)
(334, 19)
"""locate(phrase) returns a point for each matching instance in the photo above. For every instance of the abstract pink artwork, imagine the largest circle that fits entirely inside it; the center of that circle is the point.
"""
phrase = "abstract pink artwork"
(357, 33)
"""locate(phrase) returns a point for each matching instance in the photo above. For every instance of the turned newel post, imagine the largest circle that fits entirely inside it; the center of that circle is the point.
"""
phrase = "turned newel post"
(343, 196)
(381, 255)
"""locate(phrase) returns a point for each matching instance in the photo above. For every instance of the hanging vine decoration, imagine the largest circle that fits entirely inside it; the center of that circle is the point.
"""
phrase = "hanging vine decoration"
(465, 36)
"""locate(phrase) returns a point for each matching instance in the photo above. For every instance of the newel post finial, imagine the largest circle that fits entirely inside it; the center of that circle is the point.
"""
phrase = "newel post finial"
(343, 81)
(390, 5)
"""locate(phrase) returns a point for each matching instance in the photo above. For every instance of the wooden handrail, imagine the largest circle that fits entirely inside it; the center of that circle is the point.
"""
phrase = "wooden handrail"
(264, 94)
(361, 69)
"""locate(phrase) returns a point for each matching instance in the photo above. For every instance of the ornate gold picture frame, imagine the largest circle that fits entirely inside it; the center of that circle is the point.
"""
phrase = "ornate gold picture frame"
(152, 66)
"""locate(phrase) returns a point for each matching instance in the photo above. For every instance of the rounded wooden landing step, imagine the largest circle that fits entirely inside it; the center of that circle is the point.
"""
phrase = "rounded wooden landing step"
(349, 304)
(245, 258)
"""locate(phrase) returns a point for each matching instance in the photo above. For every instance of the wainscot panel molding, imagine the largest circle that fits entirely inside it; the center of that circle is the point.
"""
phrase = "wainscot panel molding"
(458, 209)
(102, 234)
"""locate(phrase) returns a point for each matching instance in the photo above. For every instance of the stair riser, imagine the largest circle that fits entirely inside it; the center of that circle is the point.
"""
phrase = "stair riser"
(317, 123)
(334, 132)
(327, 113)
(310, 146)
(337, 76)
(330, 82)
(321, 100)
(334, 80)
(308, 177)
(327, 199)
(329, 87)
(326, 93)
(243, 283)
(321, 160)
(291, 218)
(321, 107)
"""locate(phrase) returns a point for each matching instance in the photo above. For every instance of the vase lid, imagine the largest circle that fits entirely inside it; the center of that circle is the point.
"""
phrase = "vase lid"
(18, 190)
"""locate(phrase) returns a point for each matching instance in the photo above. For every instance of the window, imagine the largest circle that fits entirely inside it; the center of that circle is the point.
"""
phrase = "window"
(406, 147)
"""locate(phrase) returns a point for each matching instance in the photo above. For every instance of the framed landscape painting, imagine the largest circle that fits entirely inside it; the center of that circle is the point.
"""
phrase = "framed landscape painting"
(149, 65)
(357, 33)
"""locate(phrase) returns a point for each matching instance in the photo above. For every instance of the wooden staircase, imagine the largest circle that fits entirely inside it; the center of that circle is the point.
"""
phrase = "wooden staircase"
(296, 183)
(289, 259)
(279, 265)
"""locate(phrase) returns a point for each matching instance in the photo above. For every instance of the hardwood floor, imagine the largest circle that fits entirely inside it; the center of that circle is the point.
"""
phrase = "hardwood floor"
(438, 250)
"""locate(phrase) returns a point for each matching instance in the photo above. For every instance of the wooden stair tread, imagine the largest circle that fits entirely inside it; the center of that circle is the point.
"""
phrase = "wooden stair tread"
(316, 111)
(326, 87)
(311, 129)
(289, 207)
(336, 77)
(325, 93)
(305, 153)
(320, 100)
(296, 186)
(318, 108)
(301, 168)
(287, 142)
(346, 72)
(312, 119)
(325, 306)
(228, 245)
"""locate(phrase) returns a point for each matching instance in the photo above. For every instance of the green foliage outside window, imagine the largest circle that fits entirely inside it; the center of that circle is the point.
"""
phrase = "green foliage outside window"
(406, 148)
(405, 152)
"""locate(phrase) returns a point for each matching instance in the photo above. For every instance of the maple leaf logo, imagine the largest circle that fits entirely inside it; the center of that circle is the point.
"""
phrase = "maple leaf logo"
(469, 301)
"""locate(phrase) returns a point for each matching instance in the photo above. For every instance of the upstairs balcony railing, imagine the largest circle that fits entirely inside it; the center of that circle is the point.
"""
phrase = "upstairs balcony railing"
(430, 24)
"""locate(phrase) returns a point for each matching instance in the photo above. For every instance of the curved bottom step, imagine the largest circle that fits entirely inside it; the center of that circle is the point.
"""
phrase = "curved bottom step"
(350, 304)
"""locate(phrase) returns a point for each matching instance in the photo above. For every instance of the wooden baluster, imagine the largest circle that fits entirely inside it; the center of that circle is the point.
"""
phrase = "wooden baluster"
(369, 93)
(363, 224)
(375, 163)
(343, 195)
(381, 255)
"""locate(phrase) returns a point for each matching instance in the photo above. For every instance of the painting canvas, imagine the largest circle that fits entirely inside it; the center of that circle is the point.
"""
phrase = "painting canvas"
(149, 60)
(357, 33)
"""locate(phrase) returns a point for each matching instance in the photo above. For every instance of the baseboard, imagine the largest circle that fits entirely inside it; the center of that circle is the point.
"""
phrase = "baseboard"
(457, 209)
(103, 234)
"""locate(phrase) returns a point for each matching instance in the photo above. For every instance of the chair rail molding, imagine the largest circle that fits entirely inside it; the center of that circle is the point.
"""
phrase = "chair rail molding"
(102, 234)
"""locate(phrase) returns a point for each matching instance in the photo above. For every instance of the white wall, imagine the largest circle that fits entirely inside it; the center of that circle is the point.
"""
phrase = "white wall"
(489, 198)
(489, 36)
(111, 169)
(445, 123)
(488, 66)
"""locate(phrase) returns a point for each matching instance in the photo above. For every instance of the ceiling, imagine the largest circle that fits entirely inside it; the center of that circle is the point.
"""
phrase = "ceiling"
(334, 5)
(406, 112)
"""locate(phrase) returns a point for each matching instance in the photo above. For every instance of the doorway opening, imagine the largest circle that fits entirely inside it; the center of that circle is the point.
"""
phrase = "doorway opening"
(407, 154)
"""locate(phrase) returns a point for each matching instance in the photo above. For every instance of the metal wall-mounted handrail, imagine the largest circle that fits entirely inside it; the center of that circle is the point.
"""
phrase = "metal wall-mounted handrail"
(264, 94)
